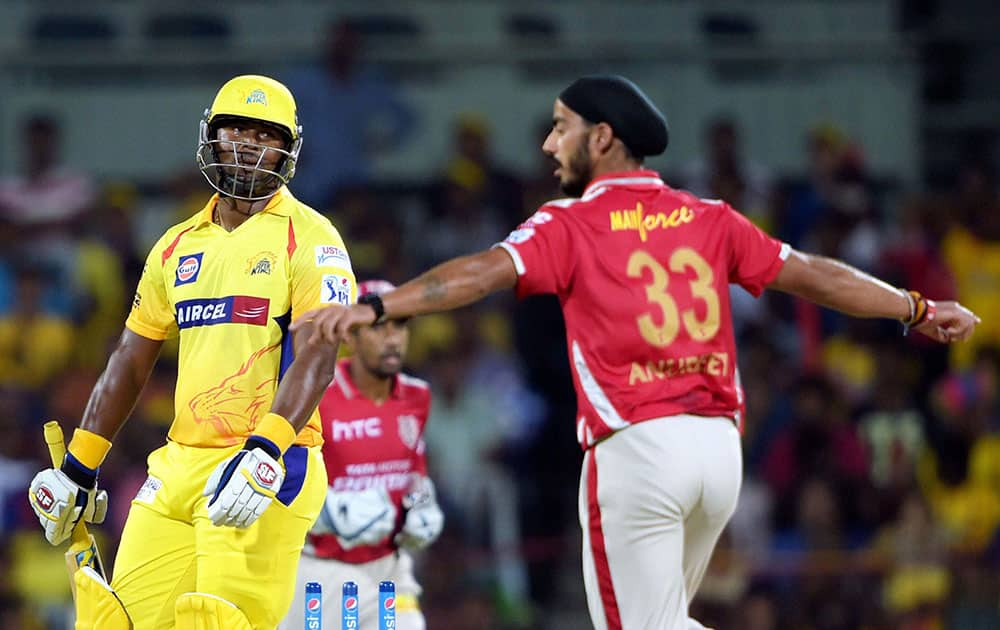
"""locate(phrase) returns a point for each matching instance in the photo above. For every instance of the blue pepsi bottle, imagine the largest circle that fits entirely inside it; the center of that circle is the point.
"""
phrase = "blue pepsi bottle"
(386, 605)
(314, 606)
(349, 606)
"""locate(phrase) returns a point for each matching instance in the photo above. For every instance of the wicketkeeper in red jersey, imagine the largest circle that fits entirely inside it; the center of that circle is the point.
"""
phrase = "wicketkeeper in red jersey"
(642, 272)
(380, 504)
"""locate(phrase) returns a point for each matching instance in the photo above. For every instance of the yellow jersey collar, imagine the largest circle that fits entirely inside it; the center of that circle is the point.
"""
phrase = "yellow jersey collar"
(278, 205)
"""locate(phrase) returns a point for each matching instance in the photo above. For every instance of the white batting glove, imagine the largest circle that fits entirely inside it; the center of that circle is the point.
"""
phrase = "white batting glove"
(424, 519)
(59, 502)
(243, 486)
(357, 518)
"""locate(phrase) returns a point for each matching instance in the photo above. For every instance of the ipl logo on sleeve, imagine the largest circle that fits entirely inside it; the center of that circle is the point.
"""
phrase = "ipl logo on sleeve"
(336, 289)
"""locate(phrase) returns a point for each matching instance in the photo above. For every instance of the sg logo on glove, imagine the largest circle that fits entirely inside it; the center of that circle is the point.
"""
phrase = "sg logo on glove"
(241, 487)
(265, 474)
(59, 503)
(44, 498)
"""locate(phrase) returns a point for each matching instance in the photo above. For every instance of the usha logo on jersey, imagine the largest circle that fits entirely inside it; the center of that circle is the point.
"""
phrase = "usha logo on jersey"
(636, 220)
(188, 268)
(232, 309)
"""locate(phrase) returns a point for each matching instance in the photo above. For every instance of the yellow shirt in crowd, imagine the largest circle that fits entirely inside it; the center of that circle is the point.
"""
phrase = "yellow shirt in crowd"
(976, 266)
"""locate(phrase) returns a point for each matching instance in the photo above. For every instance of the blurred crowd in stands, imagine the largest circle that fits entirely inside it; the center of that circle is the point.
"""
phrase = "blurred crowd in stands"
(872, 461)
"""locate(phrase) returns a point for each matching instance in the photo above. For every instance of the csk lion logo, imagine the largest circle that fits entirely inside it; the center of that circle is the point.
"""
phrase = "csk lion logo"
(235, 403)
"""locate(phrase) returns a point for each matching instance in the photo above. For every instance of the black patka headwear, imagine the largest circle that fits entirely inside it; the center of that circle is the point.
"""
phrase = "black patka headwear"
(615, 100)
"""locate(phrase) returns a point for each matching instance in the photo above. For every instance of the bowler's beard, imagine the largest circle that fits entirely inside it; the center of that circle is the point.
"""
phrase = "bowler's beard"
(378, 369)
(578, 173)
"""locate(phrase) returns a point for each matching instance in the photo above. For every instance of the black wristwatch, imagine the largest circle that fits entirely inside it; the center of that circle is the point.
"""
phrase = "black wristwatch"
(375, 301)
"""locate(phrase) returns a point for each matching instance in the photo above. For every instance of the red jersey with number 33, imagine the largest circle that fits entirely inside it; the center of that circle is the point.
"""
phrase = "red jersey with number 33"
(642, 272)
(367, 445)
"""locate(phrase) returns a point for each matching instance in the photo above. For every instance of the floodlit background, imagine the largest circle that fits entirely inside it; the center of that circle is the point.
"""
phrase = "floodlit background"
(863, 129)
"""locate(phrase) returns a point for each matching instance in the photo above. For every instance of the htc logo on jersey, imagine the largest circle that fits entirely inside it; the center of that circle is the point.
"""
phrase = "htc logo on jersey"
(346, 430)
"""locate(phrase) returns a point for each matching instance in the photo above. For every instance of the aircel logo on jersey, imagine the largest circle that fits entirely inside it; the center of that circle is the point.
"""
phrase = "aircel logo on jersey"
(188, 268)
(637, 220)
(332, 256)
(342, 430)
(232, 309)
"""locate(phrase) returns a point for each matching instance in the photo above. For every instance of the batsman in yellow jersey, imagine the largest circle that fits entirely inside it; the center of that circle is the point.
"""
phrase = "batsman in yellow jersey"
(214, 536)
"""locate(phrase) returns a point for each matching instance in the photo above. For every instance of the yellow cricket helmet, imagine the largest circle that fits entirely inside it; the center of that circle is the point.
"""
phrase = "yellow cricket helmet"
(257, 98)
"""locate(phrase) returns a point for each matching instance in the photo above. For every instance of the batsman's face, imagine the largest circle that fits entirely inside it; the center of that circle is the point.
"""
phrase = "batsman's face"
(382, 348)
(249, 142)
(568, 145)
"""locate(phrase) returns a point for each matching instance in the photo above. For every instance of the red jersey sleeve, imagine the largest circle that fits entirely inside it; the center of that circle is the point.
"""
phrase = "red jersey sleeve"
(755, 257)
(542, 251)
(420, 459)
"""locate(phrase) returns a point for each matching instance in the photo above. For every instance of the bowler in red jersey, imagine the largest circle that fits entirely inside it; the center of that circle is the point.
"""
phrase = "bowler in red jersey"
(642, 273)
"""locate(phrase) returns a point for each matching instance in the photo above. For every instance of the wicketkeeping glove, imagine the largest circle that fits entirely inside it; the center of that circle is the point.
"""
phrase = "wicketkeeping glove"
(357, 518)
(424, 519)
(61, 497)
(244, 485)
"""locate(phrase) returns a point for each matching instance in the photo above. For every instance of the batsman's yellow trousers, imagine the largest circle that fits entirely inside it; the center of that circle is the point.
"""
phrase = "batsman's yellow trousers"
(170, 547)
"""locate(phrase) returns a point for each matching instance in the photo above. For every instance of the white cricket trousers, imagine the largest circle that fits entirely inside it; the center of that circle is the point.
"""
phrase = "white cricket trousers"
(654, 498)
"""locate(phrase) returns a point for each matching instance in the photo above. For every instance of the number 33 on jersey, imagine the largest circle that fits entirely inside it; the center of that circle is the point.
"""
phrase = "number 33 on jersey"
(659, 261)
